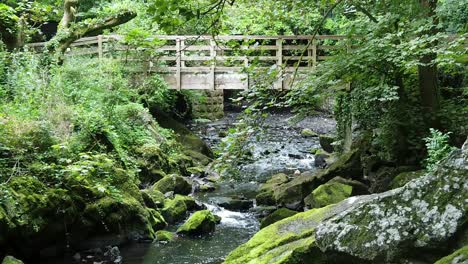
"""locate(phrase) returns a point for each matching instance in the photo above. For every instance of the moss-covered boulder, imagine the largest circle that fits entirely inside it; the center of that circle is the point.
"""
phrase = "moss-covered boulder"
(11, 260)
(458, 257)
(190, 202)
(397, 226)
(174, 209)
(153, 198)
(307, 133)
(276, 216)
(328, 193)
(124, 216)
(287, 241)
(403, 178)
(164, 236)
(266, 191)
(173, 183)
(157, 221)
(422, 215)
(200, 223)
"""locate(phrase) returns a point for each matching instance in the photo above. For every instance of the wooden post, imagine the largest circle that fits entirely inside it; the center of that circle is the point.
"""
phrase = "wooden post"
(314, 53)
(246, 65)
(178, 65)
(213, 64)
(182, 52)
(279, 63)
(100, 51)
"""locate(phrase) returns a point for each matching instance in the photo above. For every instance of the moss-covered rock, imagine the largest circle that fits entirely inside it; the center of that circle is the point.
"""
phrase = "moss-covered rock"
(124, 215)
(307, 133)
(390, 227)
(153, 198)
(403, 178)
(164, 236)
(458, 257)
(265, 194)
(287, 241)
(173, 183)
(423, 214)
(174, 210)
(328, 193)
(190, 202)
(11, 260)
(276, 216)
(157, 221)
(200, 223)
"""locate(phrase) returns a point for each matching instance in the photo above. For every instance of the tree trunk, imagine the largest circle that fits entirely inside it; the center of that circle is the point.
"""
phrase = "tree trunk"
(428, 85)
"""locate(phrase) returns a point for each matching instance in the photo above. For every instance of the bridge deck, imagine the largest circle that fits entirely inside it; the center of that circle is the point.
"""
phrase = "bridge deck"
(207, 62)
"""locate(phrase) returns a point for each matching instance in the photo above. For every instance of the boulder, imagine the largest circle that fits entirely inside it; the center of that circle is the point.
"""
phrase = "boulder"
(173, 183)
(403, 178)
(174, 210)
(153, 198)
(276, 216)
(164, 236)
(458, 257)
(326, 142)
(200, 223)
(11, 260)
(265, 194)
(307, 133)
(422, 215)
(328, 193)
(397, 226)
(287, 241)
(240, 205)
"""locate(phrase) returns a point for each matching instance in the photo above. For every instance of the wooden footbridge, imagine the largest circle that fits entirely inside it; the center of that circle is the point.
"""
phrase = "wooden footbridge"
(213, 63)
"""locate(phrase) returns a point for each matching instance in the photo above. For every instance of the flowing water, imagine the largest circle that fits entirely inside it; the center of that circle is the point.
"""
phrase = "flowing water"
(280, 149)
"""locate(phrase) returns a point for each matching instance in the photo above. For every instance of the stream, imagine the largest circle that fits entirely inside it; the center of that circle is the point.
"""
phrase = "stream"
(280, 149)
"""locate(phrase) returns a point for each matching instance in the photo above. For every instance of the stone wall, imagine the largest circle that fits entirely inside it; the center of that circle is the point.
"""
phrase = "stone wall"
(209, 105)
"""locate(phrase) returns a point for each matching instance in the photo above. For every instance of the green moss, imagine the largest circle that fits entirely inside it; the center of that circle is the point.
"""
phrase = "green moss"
(265, 195)
(153, 198)
(174, 210)
(459, 256)
(281, 242)
(165, 236)
(190, 203)
(328, 193)
(173, 183)
(11, 260)
(308, 133)
(200, 223)
(124, 216)
(276, 216)
(157, 221)
(403, 178)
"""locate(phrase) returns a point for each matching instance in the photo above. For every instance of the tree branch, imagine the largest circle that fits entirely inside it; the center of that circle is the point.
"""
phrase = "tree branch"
(365, 12)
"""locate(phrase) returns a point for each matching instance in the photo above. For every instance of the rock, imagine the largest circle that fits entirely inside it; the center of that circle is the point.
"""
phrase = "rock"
(200, 223)
(190, 202)
(175, 183)
(307, 133)
(157, 221)
(286, 241)
(11, 260)
(263, 211)
(241, 205)
(292, 193)
(153, 198)
(423, 214)
(328, 193)
(390, 227)
(359, 188)
(403, 178)
(164, 236)
(113, 255)
(326, 142)
(321, 160)
(276, 216)
(174, 210)
(265, 195)
(458, 257)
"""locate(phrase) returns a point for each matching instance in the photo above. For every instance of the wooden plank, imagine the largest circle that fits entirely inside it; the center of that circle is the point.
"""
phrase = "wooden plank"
(100, 47)
(213, 64)
(178, 65)
(279, 63)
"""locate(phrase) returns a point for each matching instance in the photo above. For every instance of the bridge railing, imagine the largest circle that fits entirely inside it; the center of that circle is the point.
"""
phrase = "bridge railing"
(207, 62)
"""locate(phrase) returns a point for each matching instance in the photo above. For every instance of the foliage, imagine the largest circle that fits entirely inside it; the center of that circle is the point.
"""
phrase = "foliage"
(438, 148)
